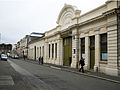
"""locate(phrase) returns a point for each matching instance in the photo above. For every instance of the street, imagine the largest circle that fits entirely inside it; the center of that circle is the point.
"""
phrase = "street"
(59, 45)
(40, 77)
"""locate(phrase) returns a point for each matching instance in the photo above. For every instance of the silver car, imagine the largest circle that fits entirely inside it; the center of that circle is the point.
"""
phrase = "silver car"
(4, 57)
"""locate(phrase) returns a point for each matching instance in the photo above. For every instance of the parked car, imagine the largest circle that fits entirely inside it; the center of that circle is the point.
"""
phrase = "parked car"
(8, 54)
(4, 57)
(12, 56)
(15, 56)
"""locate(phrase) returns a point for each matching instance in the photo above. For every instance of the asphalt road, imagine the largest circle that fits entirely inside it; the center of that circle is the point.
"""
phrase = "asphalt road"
(10, 79)
(40, 77)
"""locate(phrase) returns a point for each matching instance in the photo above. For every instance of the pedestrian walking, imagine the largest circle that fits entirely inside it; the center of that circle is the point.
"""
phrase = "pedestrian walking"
(39, 60)
(82, 63)
(42, 60)
(24, 57)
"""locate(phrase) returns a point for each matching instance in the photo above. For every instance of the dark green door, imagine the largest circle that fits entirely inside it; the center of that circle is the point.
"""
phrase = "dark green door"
(67, 45)
(92, 52)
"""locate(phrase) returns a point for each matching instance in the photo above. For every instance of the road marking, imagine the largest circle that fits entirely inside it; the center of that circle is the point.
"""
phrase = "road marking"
(6, 80)
(32, 81)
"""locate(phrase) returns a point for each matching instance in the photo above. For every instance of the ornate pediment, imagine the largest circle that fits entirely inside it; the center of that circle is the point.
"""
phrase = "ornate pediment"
(66, 15)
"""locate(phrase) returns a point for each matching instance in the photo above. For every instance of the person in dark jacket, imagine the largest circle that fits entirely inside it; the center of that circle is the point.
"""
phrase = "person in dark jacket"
(42, 60)
(82, 63)
(39, 60)
(24, 57)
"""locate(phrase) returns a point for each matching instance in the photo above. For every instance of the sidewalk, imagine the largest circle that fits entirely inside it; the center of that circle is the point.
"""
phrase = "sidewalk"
(10, 79)
(115, 79)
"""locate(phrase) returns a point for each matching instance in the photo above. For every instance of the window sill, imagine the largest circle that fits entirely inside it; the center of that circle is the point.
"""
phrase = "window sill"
(103, 62)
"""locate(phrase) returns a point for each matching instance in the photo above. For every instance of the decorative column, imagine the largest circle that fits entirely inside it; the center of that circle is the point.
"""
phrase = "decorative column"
(60, 51)
(112, 37)
(87, 51)
(112, 67)
(54, 54)
(51, 52)
(75, 49)
(97, 50)
(79, 51)
(46, 52)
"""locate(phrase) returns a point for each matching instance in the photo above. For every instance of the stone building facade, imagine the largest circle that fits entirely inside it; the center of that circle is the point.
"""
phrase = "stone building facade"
(22, 46)
(5, 48)
(94, 36)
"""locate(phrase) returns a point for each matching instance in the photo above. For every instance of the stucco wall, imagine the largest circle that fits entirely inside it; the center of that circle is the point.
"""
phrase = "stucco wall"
(31, 50)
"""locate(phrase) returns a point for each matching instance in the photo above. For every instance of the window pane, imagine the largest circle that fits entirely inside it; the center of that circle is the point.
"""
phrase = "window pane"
(56, 50)
(103, 43)
(52, 50)
(49, 50)
(83, 55)
(104, 48)
(83, 47)
(104, 56)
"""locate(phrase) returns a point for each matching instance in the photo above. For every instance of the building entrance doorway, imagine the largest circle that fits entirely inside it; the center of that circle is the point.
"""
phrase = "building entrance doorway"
(35, 52)
(92, 52)
(67, 48)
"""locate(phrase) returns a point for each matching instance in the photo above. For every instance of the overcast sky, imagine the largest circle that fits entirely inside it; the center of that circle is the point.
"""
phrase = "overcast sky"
(21, 17)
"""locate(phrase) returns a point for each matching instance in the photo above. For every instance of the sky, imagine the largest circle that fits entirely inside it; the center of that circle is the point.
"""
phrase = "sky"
(22, 17)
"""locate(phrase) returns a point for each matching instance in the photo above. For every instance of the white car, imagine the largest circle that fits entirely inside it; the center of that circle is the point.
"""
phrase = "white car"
(8, 54)
(4, 57)
(16, 56)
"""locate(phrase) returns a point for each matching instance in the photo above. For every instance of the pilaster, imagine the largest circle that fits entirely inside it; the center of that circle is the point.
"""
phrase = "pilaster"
(87, 51)
(112, 68)
(46, 52)
(54, 54)
(79, 50)
(75, 49)
(97, 50)
(51, 52)
(60, 51)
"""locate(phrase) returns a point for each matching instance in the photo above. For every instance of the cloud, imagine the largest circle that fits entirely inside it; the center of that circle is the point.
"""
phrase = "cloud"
(21, 17)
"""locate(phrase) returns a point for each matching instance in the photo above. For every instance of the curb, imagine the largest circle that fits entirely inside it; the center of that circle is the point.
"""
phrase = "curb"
(114, 81)
(91, 76)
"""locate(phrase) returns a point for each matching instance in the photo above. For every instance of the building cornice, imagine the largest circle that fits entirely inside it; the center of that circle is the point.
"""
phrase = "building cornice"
(52, 35)
(93, 10)
(36, 40)
(104, 15)
(109, 13)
